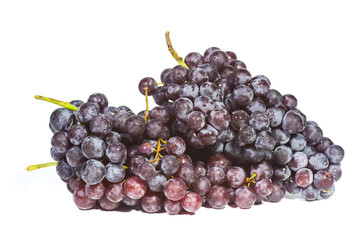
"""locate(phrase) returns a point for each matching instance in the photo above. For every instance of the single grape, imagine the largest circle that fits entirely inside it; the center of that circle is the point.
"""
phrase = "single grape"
(64, 170)
(200, 168)
(281, 136)
(114, 192)
(208, 135)
(298, 142)
(119, 121)
(93, 147)
(237, 64)
(265, 141)
(209, 89)
(134, 187)
(257, 105)
(289, 102)
(218, 197)
(291, 186)
(310, 193)
(281, 172)
(298, 161)
(186, 172)
(151, 202)
(135, 126)
(328, 193)
(275, 115)
(260, 85)
(245, 197)
(130, 202)
(74, 157)
(100, 125)
(172, 207)
(304, 177)
(86, 112)
(294, 121)
(99, 99)
(108, 205)
(160, 113)
(241, 77)
(175, 189)
(82, 201)
(208, 52)
(191, 202)
(246, 135)
(77, 134)
(262, 170)
(219, 160)
(259, 120)
(197, 76)
(115, 173)
(219, 59)
(148, 83)
(216, 175)
(323, 180)
(282, 155)
(60, 142)
(264, 187)
(335, 154)
(175, 145)
(93, 171)
(96, 191)
(243, 95)
(193, 60)
(201, 185)
(62, 119)
(204, 104)
(172, 91)
(313, 134)
(195, 120)
(318, 162)
(278, 192)
(235, 176)
(219, 118)
(182, 107)
(156, 182)
(189, 90)
(110, 112)
(335, 171)
(239, 119)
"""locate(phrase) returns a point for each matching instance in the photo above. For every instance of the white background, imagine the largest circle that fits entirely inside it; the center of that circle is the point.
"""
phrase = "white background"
(71, 49)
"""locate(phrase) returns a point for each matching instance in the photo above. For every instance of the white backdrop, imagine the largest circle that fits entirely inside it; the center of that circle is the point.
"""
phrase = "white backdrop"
(71, 49)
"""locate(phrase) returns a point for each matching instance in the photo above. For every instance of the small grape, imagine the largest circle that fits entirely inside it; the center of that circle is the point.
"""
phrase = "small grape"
(115, 173)
(134, 187)
(264, 187)
(172, 207)
(114, 192)
(298, 161)
(93, 172)
(62, 119)
(310, 193)
(289, 102)
(318, 161)
(201, 185)
(74, 157)
(282, 155)
(278, 192)
(82, 201)
(245, 197)
(175, 145)
(216, 175)
(77, 134)
(218, 197)
(186, 172)
(193, 60)
(100, 99)
(243, 95)
(191, 202)
(60, 142)
(96, 191)
(93, 147)
(135, 126)
(87, 111)
(219, 118)
(235, 176)
(100, 125)
(293, 121)
(151, 202)
(149, 83)
(175, 189)
(64, 170)
(182, 107)
(304, 177)
(335, 154)
(195, 120)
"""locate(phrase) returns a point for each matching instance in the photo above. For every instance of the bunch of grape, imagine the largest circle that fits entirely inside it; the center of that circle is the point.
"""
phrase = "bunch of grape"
(217, 136)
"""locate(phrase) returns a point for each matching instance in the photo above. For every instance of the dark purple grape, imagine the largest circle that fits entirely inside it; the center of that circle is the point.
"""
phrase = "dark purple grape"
(164, 73)
(186, 172)
(237, 64)
(328, 193)
(273, 98)
(219, 160)
(323, 145)
(298, 161)
(179, 74)
(154, 129)
(233, 151)
(108, 205)
(119, 121)
(313, 134)
(175, 189)
(62, 119)
(309, 151)
(82, 201)
(64, 170)
(201, 185)
(135, 162)
(110, 112)
(282, 155)
(189, 90)
(184, 158)
(257, 105)
(160, 113)
(259, 120)
(291, 186)
(115, 173)
(149, 83)
(195, 120)
(152, 202)
(239, 119)
(335, 171)
(264, 187)
(208, 52)
(260, 85)
(219, 119)
(135, 126)
(86, 112)
(294, 121)
(228, 72)
(194, 140)
(278, 192)
(265, 141)
(134, 187)
(56, 155)
(200, 168)
(60, 142)
(100, 125)
(159, 96)
(235, 176)
(297, 142)
(241, 77)
(169, 164)
(193, 60)
(323, 180)
(182, 107)
(93, 147)
(156, 182)
(77, 134)
(114, 192)
(191, 202)
(318, 162)
(304, 177)
(275, 115)
(289, 102)
(223, 87)
(245, 197)
(281, 136)
(219, 59)
(130, 202)
(262, 170)
(209, 89)
(76, 103)
(281, 172)
(243, 95)
(204, 105)
(218, 197)
(96, 191)
(216, 175)
(175, 145)
(211, 71)
(231, 55)
(100, 99)
(93, 171)
(208, 135)
(335, 154)
(172, 91)
(310, 193)
(226, 135)
(75, 157)
(246, 135)
(253, 155)
(197, 76)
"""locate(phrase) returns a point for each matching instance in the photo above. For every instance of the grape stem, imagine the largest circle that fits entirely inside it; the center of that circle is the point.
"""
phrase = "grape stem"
(42, 165)
(173, 52)
(60, 103)
(146, 117)
(250, 179)
(158, 150)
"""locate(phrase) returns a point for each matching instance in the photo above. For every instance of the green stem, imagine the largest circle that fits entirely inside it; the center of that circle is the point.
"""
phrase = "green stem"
(60, 103)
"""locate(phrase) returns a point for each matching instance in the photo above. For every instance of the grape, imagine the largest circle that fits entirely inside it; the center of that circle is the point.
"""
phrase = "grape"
(175, 146)
(60, 142)
(74, 183)
(310, 193)
(93, 147)
(100, 125)
(191, 202)
(257, 105)
(231, 55)
(115, 173)
(154, 129)
(62, 119)
(298, 142)
(259, 84)
(64, 170)
(291, 186)
(209, 89)
(313, 134)
(219, 119)
(289, 102)
(282, 155)
(156, 182)
(108, 205)
(235, 176)
(239, 119)
(149, 83)
(151, 202)
(135, 126)
(275, 115)
(226, 135)
(186, 172)
(304, 177)
(76, 103)
(208, 135)
(219, 160)
(145, 171)
(335, 171)
(195, 120)
(262, 170)
(264, 187)
(309, 151)
(323, 145)
(114, 192)
(218, 197)
(182, 107)
(245, 197)
(77, 134)
(130, 202)
(134, 187)
(223, 86)
(172, 207)
(281, 136)
(193, 60)
(282, 172)
(219, 59)
(216, 175)
(96, 191)
(160, 113)
(201, 185)
(56, 155)
(259, 120)
(265, 141)
(189, 90)
(327, 194)
(110, 112)
(93, 172)
(200, 168)
(175, 189)
(169, 164)
(243, 95)
(233, 151)
(99, 99)
(237, 64)
(335, 154)
(172, 91)
(298, 161)
(204, 104)
(208, 52)
(293, 121)
(82, 201)
(318, 162)
(75, 157)
(197, 76)
(119, 121)
(179, 74)
(278, 192)
(184, 158)
(87, 111)
(241, 77)
(323, 180)
(273, 98)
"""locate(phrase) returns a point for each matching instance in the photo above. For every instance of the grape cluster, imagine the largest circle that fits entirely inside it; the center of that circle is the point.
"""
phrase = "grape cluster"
(217, 136)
